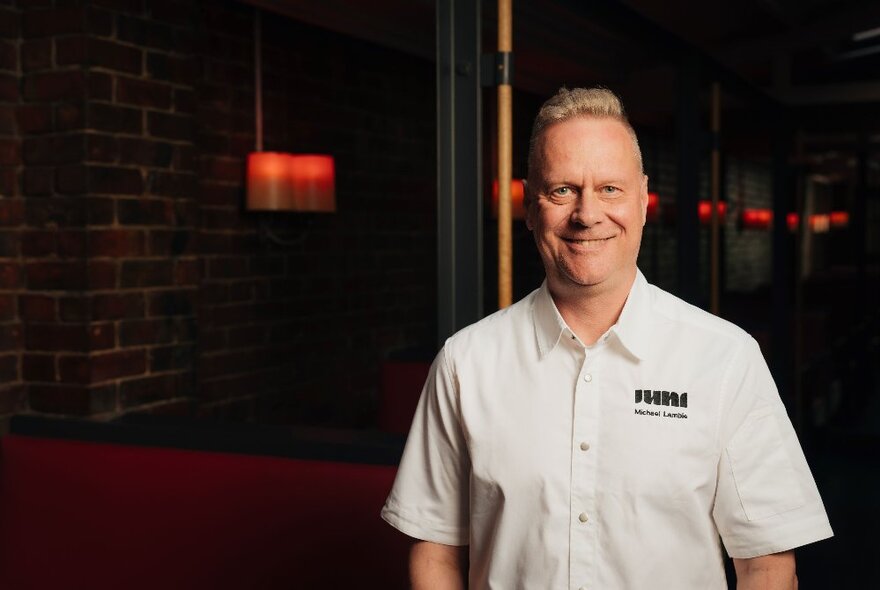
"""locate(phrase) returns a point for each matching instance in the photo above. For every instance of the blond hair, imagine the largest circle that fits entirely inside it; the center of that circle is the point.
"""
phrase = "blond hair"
(579, 102)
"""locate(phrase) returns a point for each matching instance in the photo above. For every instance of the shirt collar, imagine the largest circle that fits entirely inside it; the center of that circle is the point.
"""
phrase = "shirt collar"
(631, 328)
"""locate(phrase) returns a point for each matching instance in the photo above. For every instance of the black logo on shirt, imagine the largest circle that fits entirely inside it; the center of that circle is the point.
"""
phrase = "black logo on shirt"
(661, 398)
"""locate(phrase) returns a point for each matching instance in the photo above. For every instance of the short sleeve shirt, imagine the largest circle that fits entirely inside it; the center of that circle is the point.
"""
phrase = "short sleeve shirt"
(621, 465)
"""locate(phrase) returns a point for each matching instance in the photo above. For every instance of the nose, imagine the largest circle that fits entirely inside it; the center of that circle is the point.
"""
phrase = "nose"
(587, 210)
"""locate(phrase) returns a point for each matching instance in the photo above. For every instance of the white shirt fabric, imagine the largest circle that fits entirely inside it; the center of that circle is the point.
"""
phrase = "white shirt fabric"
(565, 466)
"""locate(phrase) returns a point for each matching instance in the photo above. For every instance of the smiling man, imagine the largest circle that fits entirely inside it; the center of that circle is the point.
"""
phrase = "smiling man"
(600, 433)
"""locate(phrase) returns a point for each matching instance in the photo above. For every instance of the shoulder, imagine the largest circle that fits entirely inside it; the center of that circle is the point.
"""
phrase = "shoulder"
(493, 331)
(698, 326)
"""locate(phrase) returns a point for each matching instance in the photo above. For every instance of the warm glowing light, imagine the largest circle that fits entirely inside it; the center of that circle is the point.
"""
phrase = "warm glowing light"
(517, 193)
(820, 223)
(793, 220)
(290, 182)
(757, 218)
(704, 209)
(653, 206)
(839, 219)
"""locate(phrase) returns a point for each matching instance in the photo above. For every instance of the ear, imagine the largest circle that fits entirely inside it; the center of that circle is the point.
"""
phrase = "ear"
(643, 199)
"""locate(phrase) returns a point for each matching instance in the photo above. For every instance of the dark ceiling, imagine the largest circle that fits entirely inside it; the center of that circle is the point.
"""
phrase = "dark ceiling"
(815, 61)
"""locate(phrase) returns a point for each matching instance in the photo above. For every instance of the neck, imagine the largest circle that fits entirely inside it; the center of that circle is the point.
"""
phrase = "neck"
(590, 310)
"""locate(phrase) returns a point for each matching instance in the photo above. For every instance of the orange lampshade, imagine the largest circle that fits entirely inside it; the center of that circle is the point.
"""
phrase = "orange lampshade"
(757, 218)
(517, 193)
(820, 223)
(653, 206)
(290, 182)
(704, 209)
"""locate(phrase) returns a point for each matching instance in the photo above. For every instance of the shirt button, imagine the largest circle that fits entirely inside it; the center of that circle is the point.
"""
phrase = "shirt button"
(585, 446)
(583, 517)
(588, 377)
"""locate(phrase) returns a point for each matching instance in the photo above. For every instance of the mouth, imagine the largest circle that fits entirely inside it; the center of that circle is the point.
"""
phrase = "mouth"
(588, 241)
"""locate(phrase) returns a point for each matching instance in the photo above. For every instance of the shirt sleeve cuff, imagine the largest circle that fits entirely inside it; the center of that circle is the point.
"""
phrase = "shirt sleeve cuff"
(775, 540)
(419, 530)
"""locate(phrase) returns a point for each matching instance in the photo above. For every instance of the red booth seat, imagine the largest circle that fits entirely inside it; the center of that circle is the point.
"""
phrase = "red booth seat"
(87, 515)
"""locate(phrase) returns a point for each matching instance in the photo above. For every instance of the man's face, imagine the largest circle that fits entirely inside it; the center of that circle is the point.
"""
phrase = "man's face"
(588, 205)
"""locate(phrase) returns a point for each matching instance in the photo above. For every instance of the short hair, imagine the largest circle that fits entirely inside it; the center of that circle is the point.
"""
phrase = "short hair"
(579, 102)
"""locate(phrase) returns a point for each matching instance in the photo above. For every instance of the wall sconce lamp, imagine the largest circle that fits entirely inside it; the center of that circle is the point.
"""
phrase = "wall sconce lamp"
(278, 181)
(704, 210)
(517, 193)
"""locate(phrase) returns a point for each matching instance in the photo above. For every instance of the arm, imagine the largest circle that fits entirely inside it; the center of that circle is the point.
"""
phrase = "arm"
(433, 566)
(767, 572)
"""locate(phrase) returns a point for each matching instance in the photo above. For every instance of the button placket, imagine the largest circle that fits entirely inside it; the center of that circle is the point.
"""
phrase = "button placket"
(586, 420)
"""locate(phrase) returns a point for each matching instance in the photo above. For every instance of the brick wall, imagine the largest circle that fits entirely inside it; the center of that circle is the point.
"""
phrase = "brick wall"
(131, 278)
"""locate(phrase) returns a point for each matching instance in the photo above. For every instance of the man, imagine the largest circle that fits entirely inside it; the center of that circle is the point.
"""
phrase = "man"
(600, 433)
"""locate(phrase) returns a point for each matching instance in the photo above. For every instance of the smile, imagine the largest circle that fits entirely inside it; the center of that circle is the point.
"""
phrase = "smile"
(587, 242)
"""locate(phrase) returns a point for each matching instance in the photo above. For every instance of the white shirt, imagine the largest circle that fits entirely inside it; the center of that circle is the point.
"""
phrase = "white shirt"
(565, 466)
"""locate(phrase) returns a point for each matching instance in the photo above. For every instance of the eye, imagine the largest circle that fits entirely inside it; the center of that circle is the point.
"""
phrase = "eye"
(609, 190)
(562, 194)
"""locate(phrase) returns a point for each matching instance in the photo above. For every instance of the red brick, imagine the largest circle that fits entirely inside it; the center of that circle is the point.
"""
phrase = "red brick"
(170, 242)
(114, 365)
(54, 85)
(168, 126)
(140, 332)
(7, 119)
(184, 158)
(130, 6)
(54, 149)
(115, 56)
(70, 50)
(69, 116)
(74, 368)
(117, 306)
(99, 22)
(100, 86)
(223, 170)
(102, 274)
(36, 54)
(145, 152)
(56, 337)
(8, 369)
(10, 275)
(9, 244)
(46, 23)
(72, 179)
(102, 336)
(145, 273)
(9, 87)
(186, 272)
(8, 56)
(40, 308)
(55, 211)
(151, 34)
(100, 210)
(143, 93)
(116, 243)
(228, 267)
(71, 399)
(113, 180)
(145, 212)
(134, 392)
(171, 303)
(101, 148)
(73, 309)
(10, 337)
(34, 119)
(103, 117)
(62, 276)
(10, 24)
(7, 307)
(9, 182)
(169, 68)
(39, 243)
(171, 358)
(38, 367)
(10, 152)
(172, 184)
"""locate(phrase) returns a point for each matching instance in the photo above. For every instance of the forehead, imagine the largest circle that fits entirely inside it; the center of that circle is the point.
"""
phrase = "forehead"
(588, 142)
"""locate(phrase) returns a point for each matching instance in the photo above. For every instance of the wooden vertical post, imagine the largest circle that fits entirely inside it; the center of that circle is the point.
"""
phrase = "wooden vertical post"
(714, 303)
(505, 156)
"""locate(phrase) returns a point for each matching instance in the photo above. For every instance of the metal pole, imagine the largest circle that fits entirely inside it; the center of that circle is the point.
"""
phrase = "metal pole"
(716, 187)
(505, 157)
(258, 80)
